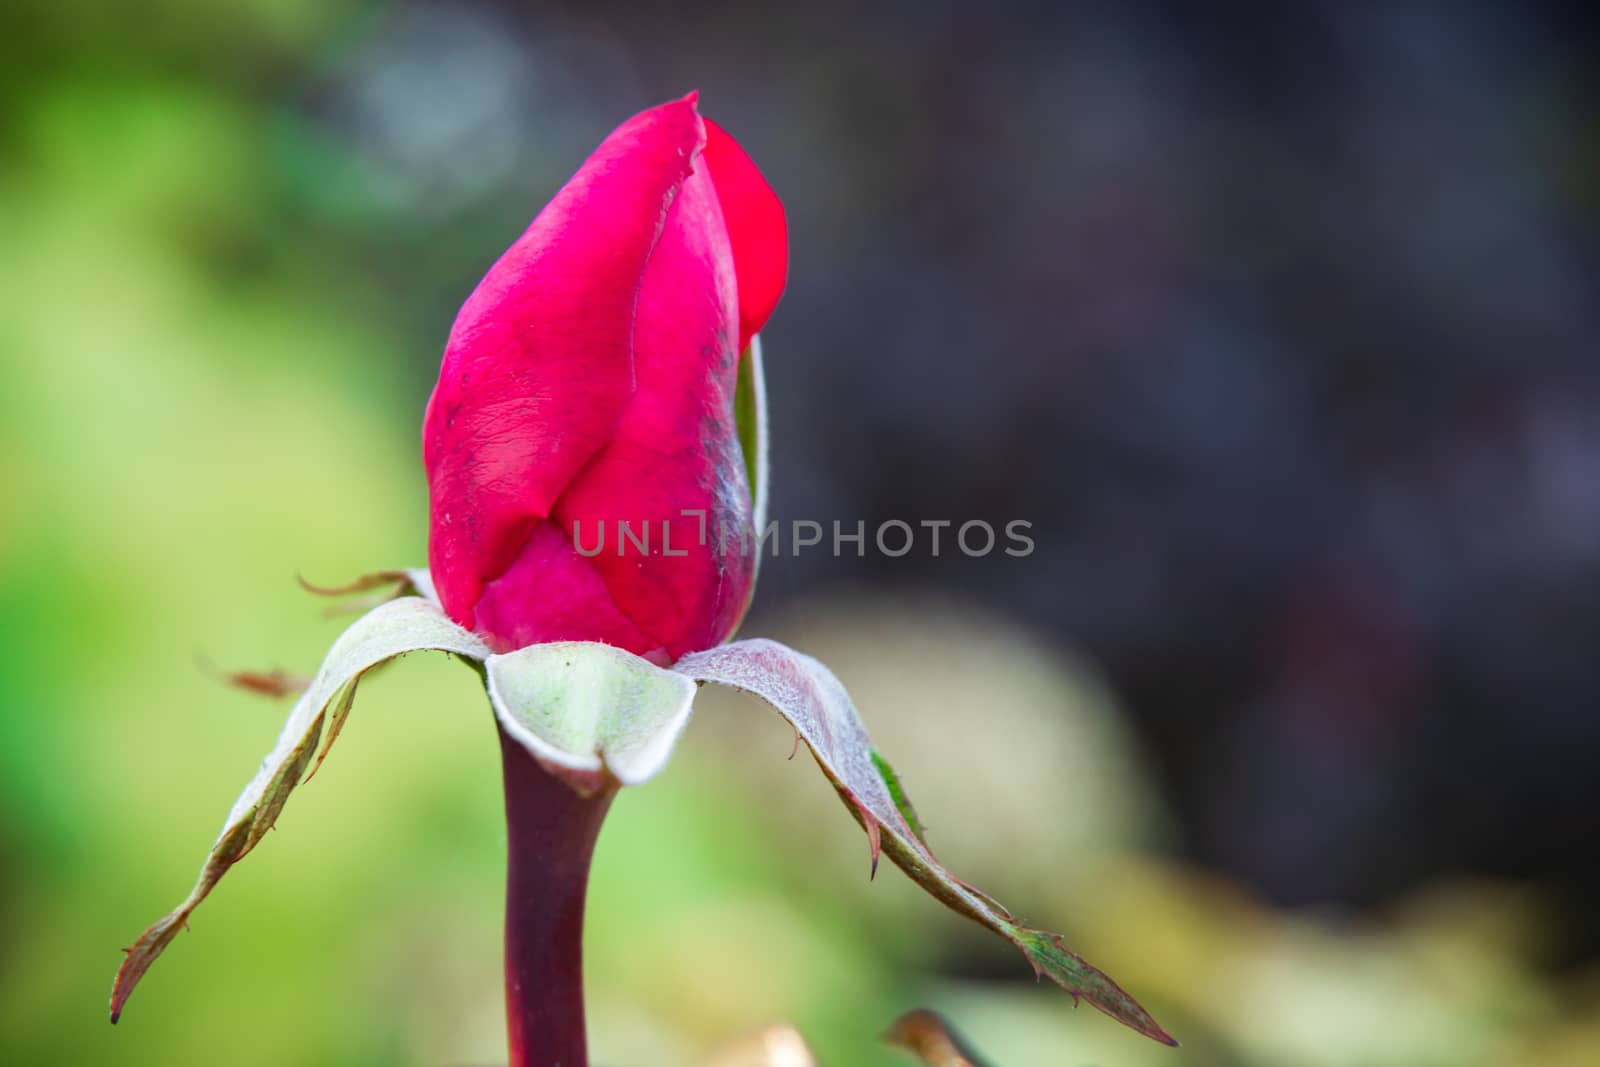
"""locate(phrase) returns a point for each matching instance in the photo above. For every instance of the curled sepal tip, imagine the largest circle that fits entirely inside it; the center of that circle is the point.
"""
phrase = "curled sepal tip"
(807, 694)
(408, 624)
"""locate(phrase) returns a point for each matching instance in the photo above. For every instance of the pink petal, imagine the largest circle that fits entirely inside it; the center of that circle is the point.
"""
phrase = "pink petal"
(676, 447)
(539, 365)
(552, 593)
(756, 227)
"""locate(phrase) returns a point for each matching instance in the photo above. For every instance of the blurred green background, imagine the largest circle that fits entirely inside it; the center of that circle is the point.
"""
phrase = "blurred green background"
(224, 298)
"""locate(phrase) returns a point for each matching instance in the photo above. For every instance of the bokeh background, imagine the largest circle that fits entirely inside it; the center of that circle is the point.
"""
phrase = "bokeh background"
(1278, 322)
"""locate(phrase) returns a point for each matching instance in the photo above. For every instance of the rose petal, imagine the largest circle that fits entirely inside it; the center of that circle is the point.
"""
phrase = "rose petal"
(540, 364)
(757, 229)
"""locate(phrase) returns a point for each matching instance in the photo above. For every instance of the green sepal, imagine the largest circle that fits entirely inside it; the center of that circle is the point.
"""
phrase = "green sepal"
(407, 624)
(815, 703)
(586, 710)
(897, 793)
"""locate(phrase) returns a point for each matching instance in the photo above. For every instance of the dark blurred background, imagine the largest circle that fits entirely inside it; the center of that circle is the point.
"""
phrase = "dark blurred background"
(1279, 323)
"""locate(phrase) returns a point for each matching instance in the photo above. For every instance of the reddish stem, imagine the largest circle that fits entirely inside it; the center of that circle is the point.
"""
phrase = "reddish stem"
(551, 837)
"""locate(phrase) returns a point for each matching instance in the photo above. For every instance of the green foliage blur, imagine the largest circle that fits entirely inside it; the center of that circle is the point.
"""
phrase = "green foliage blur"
(211, 385)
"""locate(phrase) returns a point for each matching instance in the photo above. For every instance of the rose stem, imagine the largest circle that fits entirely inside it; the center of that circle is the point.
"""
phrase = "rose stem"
(551, 832)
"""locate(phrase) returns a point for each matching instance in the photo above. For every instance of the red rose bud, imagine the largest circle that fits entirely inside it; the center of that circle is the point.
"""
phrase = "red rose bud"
(589, 383)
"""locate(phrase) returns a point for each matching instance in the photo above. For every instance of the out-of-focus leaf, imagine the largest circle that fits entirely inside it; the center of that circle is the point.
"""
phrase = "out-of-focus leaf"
(807, 694)
(408, 624)
(584, 709)
(778, 1045)
(928, 1036)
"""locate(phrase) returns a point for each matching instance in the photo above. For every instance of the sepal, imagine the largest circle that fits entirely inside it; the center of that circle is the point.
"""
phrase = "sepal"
(814, 702)
(750, 415)
(588, 710)
(406, 624)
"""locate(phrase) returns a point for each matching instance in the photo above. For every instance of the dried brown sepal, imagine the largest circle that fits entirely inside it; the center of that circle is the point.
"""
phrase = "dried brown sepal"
(275, 683)
(364, 583)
